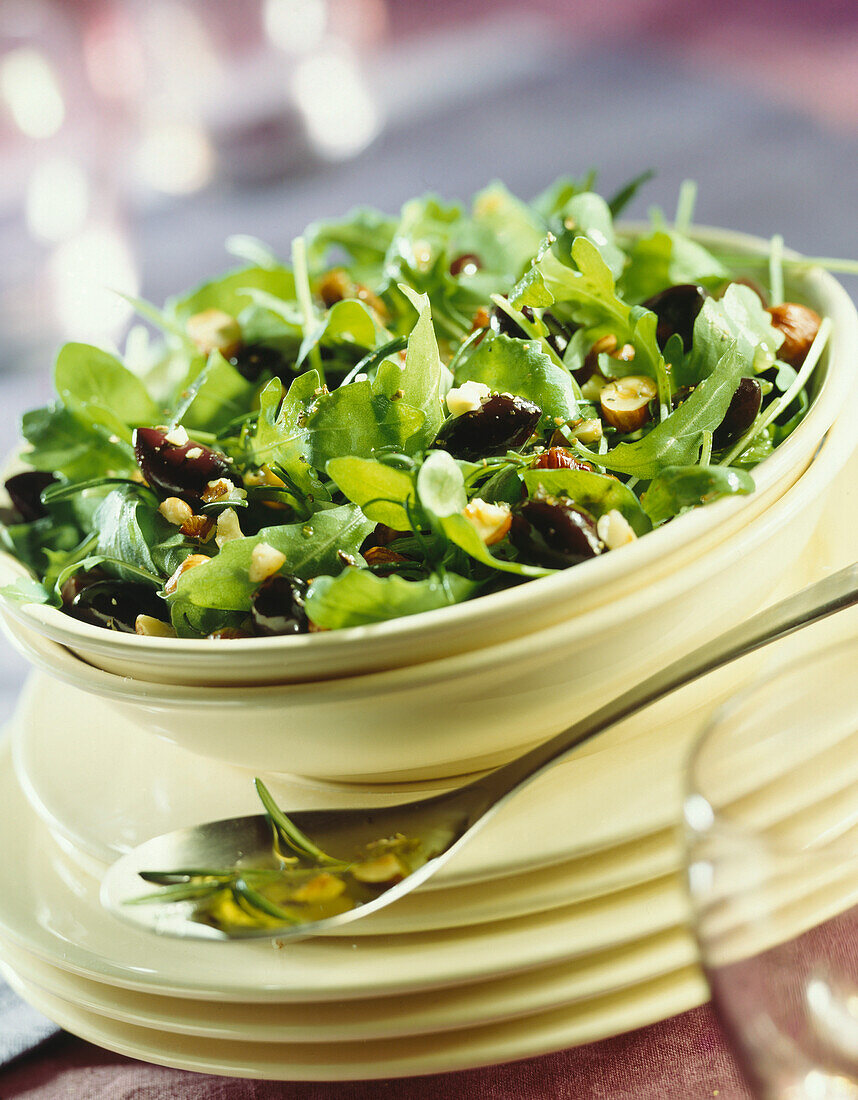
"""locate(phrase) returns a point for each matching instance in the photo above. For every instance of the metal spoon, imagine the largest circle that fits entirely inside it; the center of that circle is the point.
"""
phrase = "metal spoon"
(447, 821)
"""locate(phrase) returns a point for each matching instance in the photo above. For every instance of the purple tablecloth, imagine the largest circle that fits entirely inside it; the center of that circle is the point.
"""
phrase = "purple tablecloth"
(680, 1059)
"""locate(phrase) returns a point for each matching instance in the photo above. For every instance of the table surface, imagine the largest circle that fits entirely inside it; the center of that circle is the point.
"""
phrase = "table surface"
(768, 158)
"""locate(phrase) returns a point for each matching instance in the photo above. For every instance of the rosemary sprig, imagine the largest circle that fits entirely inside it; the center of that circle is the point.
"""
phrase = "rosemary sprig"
(290, 833)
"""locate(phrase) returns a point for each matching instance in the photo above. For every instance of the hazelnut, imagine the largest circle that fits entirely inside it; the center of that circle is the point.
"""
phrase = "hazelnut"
(323, 887)
(379, 557)
(605, 345)
(490, 521)
(176, 511)
(466, 398)
(198, 527)
(214, 330)
(625, 402)
(153, 628)
(614, 529)
(383, 870)
(481, 319)
(586, 431)
(265, 561)
(334, 287)
(189, 563)
(228, 527)
(799, 324)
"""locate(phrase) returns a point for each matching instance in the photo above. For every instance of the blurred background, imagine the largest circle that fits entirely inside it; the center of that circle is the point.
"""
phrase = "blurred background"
(136, 135)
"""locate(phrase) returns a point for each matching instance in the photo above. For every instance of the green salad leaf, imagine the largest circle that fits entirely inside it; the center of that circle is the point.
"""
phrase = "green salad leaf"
(356, 597)
(307, 418)
(310, 548)
(596, 493)
(508, 365)
(678, 488)
(677, 440)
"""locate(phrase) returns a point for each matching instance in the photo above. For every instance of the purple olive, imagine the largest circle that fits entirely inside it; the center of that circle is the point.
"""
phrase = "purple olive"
(25, 492)
(501, 423)
(469, 263)
(277, 606)
(179, 469)
(115, 604)
(677, 309)
(253, 360)
(553, 532)
(741, 413)
(75, 584)
(558, 336)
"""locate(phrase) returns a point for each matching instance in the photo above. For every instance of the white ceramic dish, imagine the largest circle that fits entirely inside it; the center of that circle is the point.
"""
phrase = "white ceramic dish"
(402, 1057)
(61, 740)
(380, 1018)
(476, 709)
(506, 615)
(50, 909)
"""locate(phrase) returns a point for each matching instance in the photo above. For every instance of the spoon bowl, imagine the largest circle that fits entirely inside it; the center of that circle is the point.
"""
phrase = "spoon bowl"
(437, 826)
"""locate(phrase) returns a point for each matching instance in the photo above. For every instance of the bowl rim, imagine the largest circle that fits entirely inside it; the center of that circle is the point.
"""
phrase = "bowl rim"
(563, 586)
(57, 660)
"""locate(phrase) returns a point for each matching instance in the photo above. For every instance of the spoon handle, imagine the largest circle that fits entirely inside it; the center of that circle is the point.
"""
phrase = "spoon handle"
(815, 602)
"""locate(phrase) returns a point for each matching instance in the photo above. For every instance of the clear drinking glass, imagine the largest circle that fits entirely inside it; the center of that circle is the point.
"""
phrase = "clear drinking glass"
(771, 816)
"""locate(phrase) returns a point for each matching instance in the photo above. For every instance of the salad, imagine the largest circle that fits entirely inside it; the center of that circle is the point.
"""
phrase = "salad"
(413, 412)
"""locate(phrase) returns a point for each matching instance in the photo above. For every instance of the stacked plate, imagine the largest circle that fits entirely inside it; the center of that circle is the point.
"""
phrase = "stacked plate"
(537, 938)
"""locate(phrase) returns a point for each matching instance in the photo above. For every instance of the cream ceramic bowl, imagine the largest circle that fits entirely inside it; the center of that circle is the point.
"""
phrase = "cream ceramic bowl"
(615, 578)
(474, 710)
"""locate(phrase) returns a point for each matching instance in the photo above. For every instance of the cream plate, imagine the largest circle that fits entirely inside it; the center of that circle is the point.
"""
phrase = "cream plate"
(457, 714)
(50, 908)
(347, 1061)
(379, 1018)
(606, 795)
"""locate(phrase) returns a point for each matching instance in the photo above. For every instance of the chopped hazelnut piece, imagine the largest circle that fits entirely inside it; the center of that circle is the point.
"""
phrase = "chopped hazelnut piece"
(198, 527)
(466, 398)
(383, 869)
(178, 436)
(190, 562)
(265, 561)
(176, 511)
(214, 330)
(586, 431)
(153, 628)
(490, 521)
(228, 527)
(324, 887)
(217, 490)
(334, 287)
(614, 529)
(625, 402)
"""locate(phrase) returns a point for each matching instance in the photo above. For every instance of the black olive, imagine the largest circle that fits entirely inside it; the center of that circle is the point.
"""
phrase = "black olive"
(277, 606)
(553, 532)
(741, 413)
(382, 535)
(25, 491)
(501, 321)
(254, 360)
(501, 423)
(558, 336)
(179, 470)
(469, 263)
(116, 604)
(75, 584)
(677, 309)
